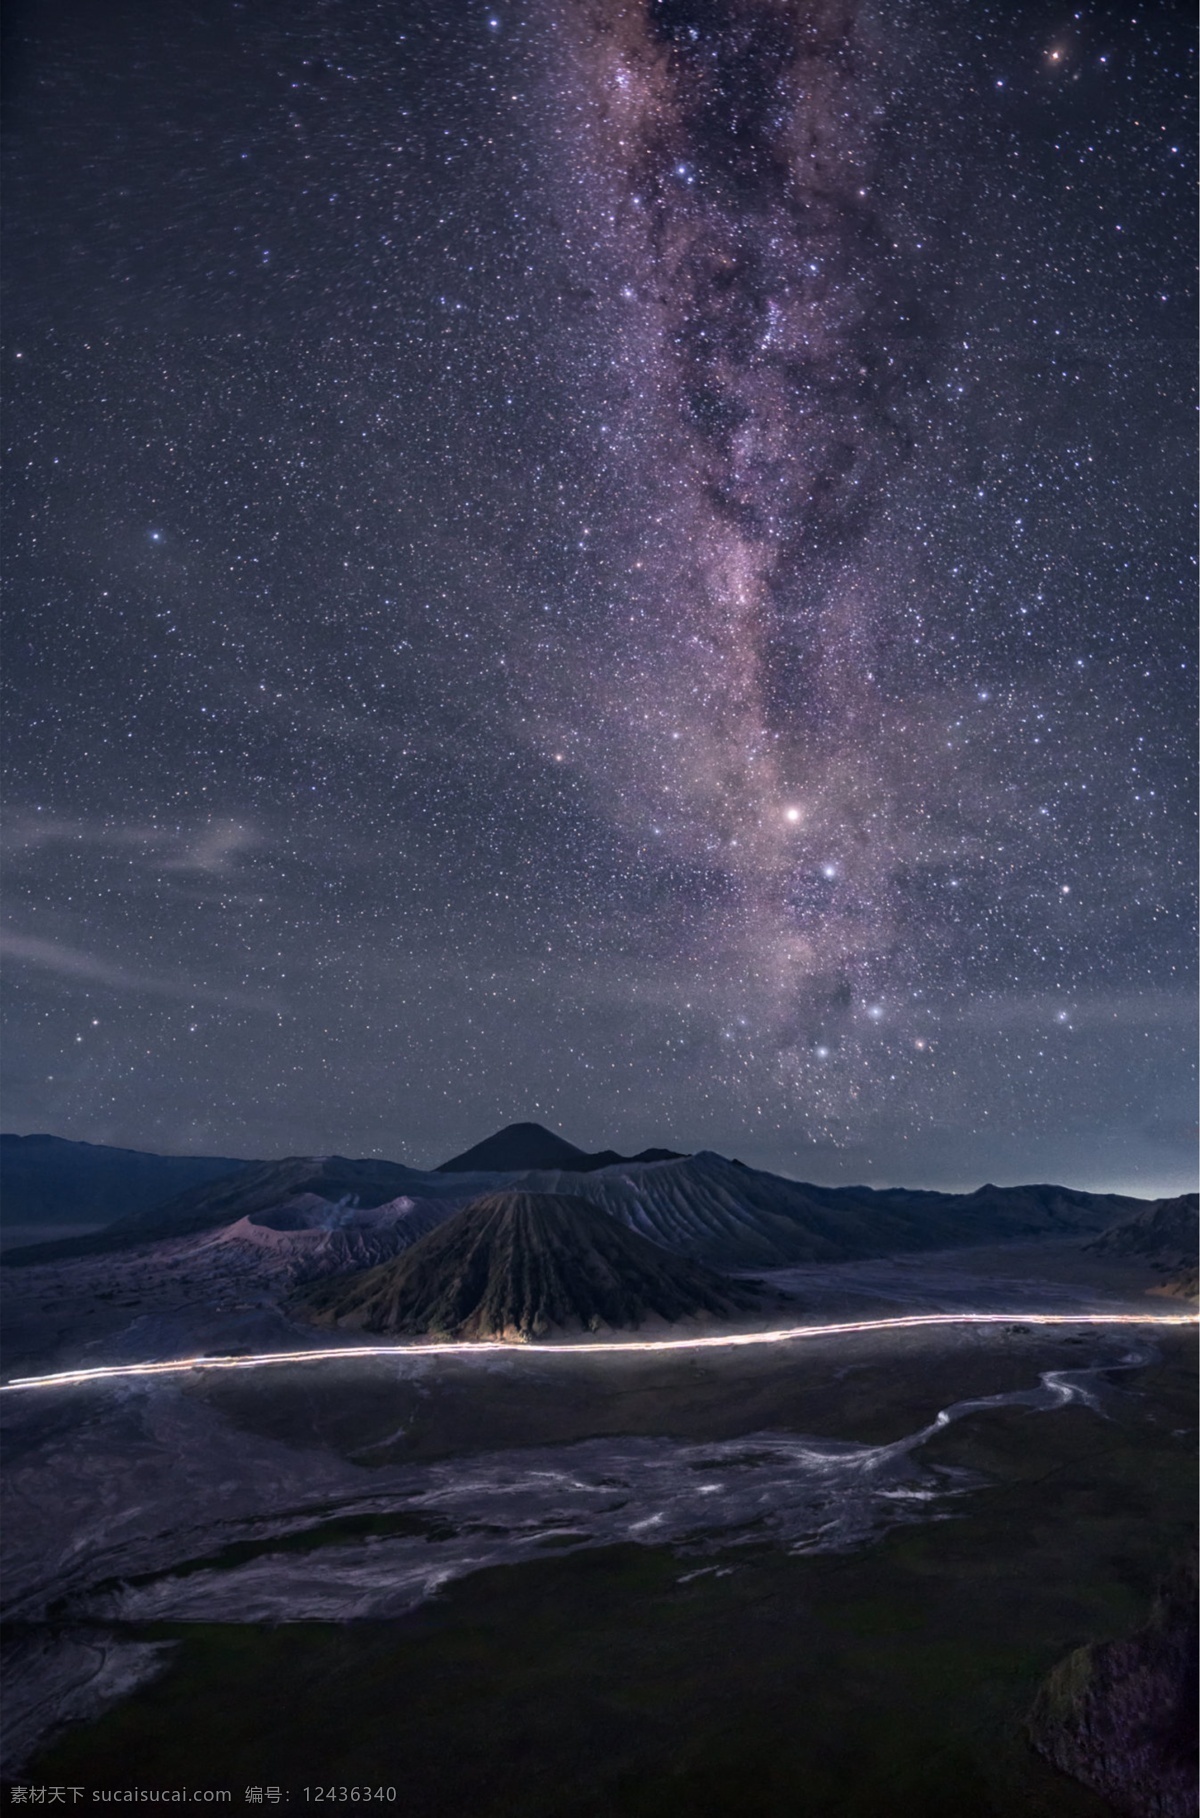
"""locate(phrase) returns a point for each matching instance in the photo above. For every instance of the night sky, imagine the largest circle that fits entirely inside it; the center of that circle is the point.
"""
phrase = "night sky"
(620, 562)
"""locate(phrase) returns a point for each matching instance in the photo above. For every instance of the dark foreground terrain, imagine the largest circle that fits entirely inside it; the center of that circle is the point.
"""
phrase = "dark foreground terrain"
(731, 1585)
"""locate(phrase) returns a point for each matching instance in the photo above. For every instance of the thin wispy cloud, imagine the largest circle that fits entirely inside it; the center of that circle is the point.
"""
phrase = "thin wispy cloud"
(215, 849)
(210, 847)
(73, 963)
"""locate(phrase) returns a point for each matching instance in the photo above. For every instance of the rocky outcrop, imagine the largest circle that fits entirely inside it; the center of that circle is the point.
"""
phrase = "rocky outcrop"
(1121, 1715)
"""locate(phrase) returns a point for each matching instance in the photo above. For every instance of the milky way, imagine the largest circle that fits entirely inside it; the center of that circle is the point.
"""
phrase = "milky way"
(769, 316)
(770, 344)
(620, 563)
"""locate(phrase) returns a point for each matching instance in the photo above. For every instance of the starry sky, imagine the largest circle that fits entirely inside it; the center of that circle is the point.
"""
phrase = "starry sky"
(620, 562)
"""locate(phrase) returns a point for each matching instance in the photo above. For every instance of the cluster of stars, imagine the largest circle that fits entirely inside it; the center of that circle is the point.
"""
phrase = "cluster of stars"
(625, 565)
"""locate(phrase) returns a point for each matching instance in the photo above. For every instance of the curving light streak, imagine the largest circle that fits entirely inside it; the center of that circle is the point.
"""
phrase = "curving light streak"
(491, 1346)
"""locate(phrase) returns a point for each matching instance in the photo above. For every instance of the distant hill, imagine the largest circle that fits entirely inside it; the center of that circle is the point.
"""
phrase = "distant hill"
(1166, 1236)
(520, 1147)
(518, 1264)
(45, 1180)
(258, 1187)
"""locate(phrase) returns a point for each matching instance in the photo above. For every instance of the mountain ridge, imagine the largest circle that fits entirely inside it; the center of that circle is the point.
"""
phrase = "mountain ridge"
(714, 1210)
(49, 1180)
(1166, 1237)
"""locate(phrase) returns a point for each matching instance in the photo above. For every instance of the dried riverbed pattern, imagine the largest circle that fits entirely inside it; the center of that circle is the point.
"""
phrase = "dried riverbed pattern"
(275, 1533)
(802, 1494)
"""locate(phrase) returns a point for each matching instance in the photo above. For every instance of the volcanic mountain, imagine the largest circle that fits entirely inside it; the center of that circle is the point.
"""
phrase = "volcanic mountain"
(513, 1265)
(520, 1147)
(336, 1214)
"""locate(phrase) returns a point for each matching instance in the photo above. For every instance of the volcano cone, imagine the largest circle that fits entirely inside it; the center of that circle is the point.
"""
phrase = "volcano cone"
(516, 1264)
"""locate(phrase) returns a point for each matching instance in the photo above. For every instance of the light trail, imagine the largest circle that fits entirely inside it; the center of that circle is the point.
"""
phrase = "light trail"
(498, 1346)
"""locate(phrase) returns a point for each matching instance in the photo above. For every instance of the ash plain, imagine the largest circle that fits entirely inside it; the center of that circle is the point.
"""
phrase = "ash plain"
(357, 1496)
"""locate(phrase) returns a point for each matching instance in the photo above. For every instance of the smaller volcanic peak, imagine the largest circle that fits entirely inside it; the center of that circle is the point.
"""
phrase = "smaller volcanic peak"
(514, 1265)
(520, 1148)
(512, 1150)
